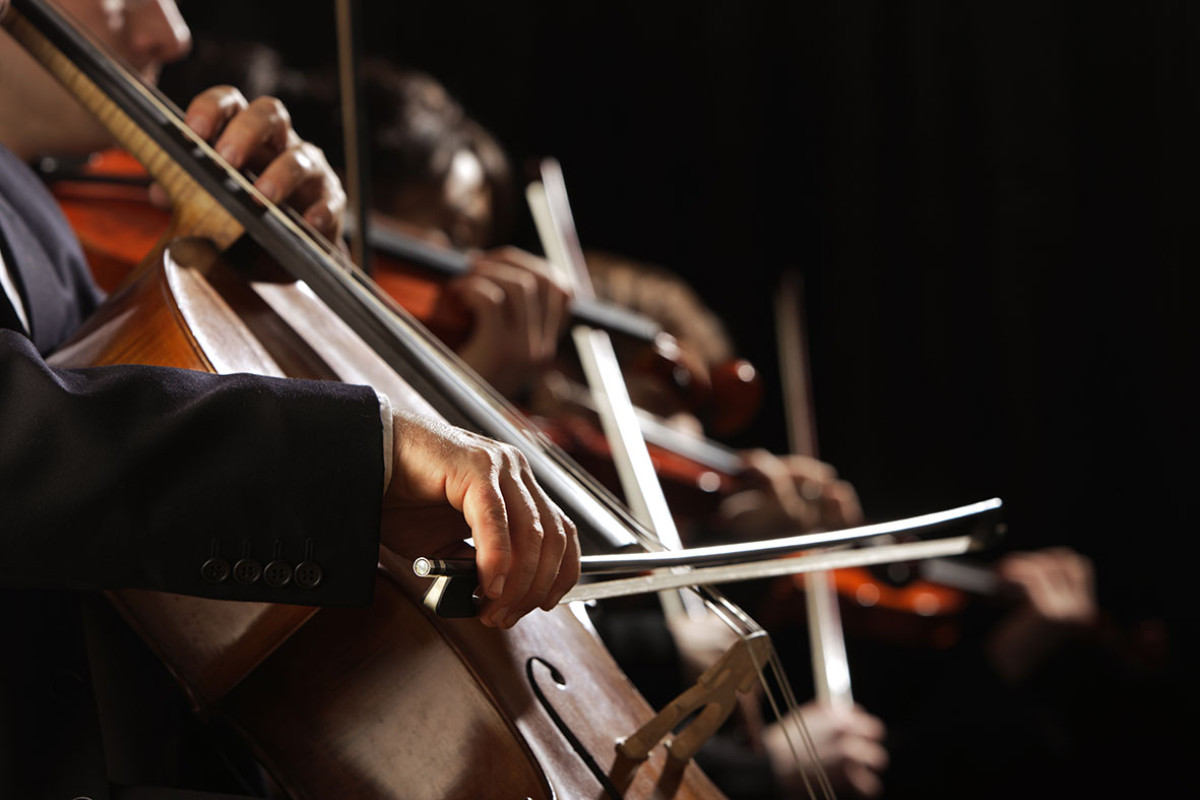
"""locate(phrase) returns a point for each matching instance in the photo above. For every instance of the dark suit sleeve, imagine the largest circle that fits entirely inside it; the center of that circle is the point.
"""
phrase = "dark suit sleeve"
(137, 477)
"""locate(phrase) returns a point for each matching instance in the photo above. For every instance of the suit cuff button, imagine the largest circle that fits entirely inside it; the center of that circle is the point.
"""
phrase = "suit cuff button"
(247, 571)
(277, 574)
(309, 574)
(215, 570)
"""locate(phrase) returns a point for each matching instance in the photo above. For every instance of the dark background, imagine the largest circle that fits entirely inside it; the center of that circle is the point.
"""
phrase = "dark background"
(992, 204)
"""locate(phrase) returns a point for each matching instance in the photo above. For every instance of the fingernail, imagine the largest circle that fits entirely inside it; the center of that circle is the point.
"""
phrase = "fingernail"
(270, 189)
(201, 125)
(497, 587)
(228, 152)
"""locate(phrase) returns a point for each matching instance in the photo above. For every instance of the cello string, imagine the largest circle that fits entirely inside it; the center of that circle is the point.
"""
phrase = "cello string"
(748, 628)
(791, 716)
(810, 746)
(734, 616)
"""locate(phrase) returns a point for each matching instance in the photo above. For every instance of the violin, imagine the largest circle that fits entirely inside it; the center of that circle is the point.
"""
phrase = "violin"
(916, 604)
(107, 201)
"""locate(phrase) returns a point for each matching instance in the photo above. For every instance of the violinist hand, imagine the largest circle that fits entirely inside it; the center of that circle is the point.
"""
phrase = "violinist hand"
(1058, 587)
(792, 494)
(848, 743)
(258, 136)
(448, 484)
(519, 311)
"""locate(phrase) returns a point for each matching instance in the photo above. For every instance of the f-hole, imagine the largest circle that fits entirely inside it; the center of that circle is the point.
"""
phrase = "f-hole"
(561, 682)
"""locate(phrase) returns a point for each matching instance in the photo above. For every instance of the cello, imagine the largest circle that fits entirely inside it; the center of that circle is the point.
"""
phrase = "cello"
(210, 316)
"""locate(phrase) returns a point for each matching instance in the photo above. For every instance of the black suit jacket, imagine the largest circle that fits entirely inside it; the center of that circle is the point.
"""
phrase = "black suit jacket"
(139, 477)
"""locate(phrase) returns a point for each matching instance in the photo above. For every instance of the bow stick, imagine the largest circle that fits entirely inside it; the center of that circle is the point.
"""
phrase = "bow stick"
(358, 173)
(827, 640)
(643, 492)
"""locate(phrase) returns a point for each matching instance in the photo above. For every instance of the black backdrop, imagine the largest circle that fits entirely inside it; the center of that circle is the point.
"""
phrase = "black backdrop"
(992, 204)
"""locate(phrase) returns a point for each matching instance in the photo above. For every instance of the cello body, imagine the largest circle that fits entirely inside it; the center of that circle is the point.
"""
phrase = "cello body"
(386, 701)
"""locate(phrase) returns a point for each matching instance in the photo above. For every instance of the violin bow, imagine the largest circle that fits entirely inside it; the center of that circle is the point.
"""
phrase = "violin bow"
(827, 640)
(643, 492)
(358, 173)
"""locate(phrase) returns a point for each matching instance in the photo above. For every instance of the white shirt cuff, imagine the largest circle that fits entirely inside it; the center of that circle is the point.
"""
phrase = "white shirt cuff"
(385, 416)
